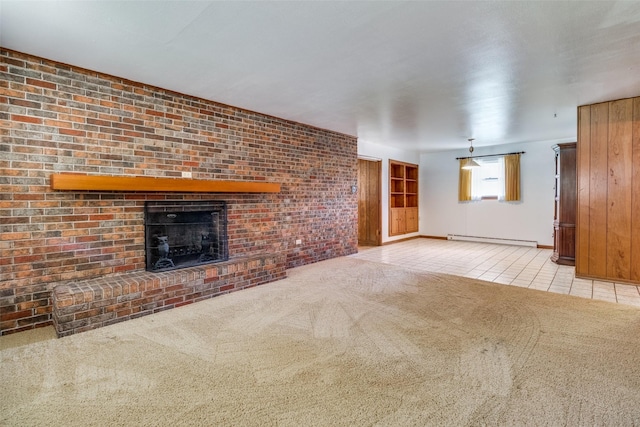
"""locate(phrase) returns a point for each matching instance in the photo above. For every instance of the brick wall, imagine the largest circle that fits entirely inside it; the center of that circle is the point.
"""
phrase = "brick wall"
(55, 118)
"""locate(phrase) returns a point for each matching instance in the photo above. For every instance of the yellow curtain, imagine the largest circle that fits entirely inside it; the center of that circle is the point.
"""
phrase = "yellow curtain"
(464, 182)
(512, 178)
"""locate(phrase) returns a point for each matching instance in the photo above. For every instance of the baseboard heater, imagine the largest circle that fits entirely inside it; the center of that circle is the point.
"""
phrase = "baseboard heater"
(495, 240)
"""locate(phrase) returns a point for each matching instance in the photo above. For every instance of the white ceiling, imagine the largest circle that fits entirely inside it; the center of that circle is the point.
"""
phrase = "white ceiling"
(415, 75)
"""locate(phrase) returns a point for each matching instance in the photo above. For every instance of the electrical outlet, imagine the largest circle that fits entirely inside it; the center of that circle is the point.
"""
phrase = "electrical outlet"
(186, 174)
(298, 241)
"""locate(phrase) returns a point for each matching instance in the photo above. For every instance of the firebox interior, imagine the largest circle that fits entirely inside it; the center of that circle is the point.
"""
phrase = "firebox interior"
(181, 234)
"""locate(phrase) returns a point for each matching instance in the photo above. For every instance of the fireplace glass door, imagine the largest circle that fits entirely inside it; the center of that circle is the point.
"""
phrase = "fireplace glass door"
(181, 234)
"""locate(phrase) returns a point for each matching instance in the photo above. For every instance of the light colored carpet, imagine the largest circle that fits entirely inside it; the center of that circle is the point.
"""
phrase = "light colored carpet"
(343, 342)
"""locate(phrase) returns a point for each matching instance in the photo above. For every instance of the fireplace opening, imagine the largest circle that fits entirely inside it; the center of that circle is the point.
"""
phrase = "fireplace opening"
(181, 234)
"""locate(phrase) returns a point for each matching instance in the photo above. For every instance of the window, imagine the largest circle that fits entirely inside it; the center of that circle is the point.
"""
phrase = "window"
(487, 181)
(498, 177)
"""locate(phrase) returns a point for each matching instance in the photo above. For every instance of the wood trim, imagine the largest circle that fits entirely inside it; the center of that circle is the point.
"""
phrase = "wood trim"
(423, 236)
(390, 242)
(434, 237)
(77, 182)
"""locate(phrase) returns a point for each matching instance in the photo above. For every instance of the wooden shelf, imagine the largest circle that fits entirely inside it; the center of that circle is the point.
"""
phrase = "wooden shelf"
(403, 198)
(77, 182)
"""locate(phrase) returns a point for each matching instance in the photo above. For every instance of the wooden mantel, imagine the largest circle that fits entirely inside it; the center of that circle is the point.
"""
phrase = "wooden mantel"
(78, 182)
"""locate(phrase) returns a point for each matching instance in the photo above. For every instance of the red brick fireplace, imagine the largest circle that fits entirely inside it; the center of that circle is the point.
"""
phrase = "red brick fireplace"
(58, 119)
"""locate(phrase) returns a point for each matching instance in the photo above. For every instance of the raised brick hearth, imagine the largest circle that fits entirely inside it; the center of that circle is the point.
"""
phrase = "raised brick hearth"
(83, 305)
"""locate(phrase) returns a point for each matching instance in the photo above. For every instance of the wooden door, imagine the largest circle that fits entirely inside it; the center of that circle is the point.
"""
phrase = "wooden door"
(397, 221)
(369, 202)
(411, 220)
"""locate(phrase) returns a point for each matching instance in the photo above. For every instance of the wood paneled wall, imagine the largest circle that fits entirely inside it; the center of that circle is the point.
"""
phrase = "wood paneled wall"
(608, 167)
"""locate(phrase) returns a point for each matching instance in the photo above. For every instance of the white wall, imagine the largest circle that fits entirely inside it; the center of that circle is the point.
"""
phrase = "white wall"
(530, 219)
(372, 151)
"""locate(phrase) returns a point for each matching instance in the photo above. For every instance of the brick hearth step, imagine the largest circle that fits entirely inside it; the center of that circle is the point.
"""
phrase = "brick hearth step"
(79, 306)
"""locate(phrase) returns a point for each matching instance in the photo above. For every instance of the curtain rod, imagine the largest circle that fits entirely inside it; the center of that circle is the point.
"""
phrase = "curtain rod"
(489, 155)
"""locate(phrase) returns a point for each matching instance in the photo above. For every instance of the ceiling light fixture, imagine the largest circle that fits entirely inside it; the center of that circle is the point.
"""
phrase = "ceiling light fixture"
(471, 163)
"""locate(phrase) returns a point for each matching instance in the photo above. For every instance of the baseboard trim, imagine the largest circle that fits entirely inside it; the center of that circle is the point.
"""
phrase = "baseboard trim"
(423, 236)
(493, 240)
(400, 240)
(434, 237)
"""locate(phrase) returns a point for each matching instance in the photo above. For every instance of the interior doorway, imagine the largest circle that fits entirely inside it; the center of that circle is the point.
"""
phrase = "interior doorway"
(369, 202)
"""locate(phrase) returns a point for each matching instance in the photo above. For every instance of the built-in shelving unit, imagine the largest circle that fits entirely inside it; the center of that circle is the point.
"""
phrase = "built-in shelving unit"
(403, 198)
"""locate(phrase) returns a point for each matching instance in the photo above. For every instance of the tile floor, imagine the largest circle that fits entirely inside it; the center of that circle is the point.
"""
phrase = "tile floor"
(510, 265)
